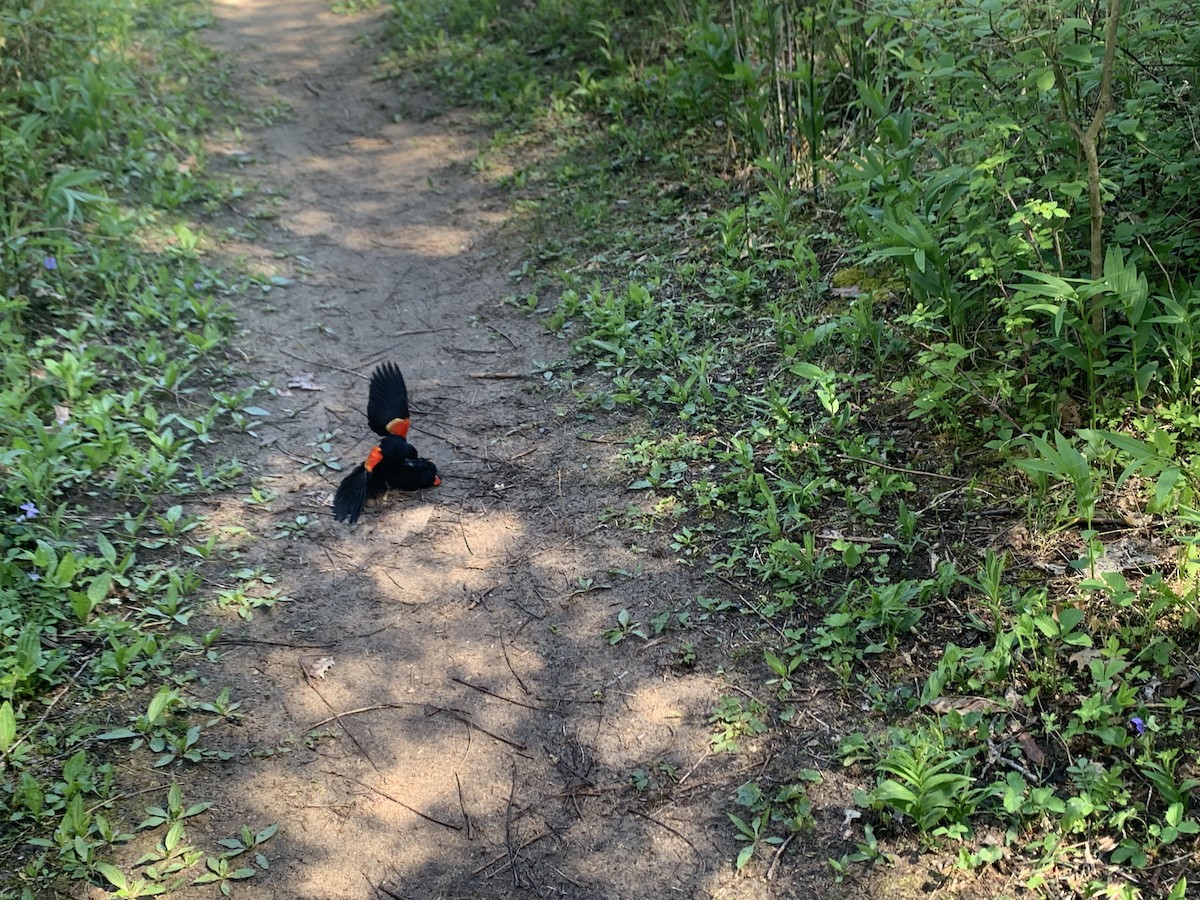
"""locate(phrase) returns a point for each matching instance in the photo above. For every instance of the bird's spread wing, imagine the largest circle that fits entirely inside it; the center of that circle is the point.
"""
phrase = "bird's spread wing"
(387, 402)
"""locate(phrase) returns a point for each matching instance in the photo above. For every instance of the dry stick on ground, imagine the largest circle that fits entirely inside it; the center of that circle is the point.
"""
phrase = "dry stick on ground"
(462, 803)
(491, 862)
(779, 855)
(590, 791)
(754, 609)
(327, 365)
(387, 796)
(511, 342)
(678, 834)
(508, 842)
(365, 634)
(337, 717)
(490, 693)
(380, 889)
(703, 756)
(918, 472)
(508, 662)
(46, 712)
(349, 637)
(460, 716)
(423, 428)
(252, 641)
(462, 528)
(109, 801)
(359, 711)
(560, 872)
(373, 358)
(383, 571)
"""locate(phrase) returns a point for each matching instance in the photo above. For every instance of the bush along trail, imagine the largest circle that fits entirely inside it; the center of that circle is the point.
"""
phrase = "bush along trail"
(811, 391)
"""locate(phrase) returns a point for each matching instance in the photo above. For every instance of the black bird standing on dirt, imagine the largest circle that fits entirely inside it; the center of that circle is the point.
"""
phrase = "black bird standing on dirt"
(393, 463)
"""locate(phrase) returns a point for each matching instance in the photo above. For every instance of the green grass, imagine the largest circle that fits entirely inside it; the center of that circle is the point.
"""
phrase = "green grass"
(846, 399)
(112, 325)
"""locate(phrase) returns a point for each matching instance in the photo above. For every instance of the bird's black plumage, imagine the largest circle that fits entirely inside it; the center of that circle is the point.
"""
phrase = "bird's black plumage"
(394, 462)
(387, 401)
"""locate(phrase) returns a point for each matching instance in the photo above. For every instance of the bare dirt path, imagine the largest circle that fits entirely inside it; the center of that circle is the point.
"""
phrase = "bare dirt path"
(486, 731)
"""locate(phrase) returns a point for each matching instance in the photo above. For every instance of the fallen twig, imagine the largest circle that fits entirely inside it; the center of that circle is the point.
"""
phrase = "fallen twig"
(491, 693)
(778, 856)
(462, 803)
(499, 857)
(252, 641)
(337, 717)
(466, 720)
(327, 365)
(508, 662)
(511, 342)
(387, 796)
(359, 711)
(677, 833)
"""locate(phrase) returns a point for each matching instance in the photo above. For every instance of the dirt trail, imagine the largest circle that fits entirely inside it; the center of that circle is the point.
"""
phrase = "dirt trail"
(488, 731)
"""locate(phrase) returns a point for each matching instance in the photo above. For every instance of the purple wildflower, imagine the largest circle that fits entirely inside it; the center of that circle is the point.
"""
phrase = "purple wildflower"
(34, 576)
(1138, 725)
(29, 509)
(50, 263)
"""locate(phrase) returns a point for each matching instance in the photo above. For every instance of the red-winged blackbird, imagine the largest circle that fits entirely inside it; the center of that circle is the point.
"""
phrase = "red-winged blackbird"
(393, 463)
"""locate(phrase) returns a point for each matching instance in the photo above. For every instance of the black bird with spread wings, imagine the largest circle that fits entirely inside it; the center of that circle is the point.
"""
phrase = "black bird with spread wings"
(393, 462)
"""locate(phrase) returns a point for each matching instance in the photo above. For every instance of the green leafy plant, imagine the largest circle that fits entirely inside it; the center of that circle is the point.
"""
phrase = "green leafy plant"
(923, 781)
(866, 850)
(624, 628)
(735, 721)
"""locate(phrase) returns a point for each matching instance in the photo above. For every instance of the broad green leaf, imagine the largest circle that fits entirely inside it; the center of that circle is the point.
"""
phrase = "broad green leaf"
(107, 550)
(113, 875)
(159, 704)
(98, 590)
(744, 857)
(8, 725)
(1069, 619)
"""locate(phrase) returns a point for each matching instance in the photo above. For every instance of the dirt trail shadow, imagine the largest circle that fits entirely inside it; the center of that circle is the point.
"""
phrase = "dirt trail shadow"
(485, 732)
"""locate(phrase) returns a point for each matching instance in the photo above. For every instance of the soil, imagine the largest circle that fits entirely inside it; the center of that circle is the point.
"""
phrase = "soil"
(436, 711)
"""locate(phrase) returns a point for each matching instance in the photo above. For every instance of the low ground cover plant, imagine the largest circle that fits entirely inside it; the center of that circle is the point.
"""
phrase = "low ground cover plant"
(899, 297)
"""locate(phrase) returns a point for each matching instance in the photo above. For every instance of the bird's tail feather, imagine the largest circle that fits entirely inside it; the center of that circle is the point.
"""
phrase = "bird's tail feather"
(351, 495)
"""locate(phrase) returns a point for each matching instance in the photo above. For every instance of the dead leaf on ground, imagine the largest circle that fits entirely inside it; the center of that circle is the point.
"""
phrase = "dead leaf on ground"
(1033, 752)
(1069, 416)
(304, 382)
(1083, 658)
(318, 668)
(848, 822)
(965, 705)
